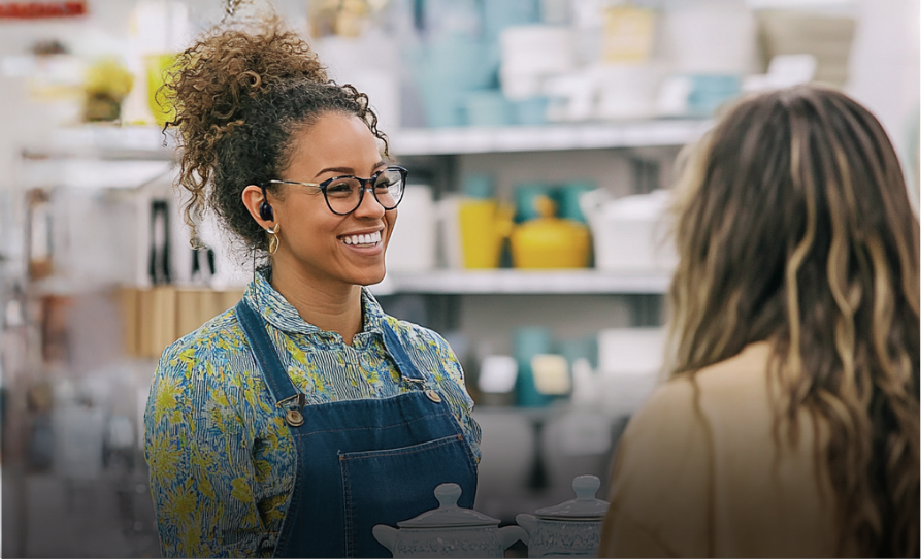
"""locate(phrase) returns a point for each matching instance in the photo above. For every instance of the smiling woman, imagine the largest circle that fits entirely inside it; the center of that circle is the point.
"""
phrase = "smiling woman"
(293, 423)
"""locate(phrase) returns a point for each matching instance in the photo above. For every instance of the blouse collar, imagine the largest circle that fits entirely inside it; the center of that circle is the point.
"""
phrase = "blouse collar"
(277, 311)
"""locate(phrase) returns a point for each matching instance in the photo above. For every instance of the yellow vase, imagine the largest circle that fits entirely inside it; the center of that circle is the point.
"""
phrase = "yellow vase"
(484, 223)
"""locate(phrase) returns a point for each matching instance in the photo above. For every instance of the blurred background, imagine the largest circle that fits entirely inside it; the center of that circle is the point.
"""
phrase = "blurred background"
(541, 137)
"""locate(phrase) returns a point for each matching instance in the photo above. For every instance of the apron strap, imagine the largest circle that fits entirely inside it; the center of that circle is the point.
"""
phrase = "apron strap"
(276, 377)
(395, 348)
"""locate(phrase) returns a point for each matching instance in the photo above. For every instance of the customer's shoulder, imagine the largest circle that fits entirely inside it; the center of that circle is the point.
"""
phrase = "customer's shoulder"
(736, 380)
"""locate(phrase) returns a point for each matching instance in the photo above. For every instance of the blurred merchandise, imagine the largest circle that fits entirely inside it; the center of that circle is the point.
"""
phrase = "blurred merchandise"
(551, 375)
(628, 90)
(450, 241)
(43, 10)
(630, 234)
(347, 19)
(501, 14)
(710, 37)
(487, 108)
(370, 61)
(783, 71)
(526, 195)
(531, 111)
(629, 33)
(550, 242)
(530, 53)
(155, 66)
(709, 91)
(159, 251)
(484, 223)
(584, 384)
(567, 197)
(155, 317)
(827, 37)
(630, 364)
(39, 235)
(78, 441)
(498, 374)
(108, 82)
(529, 343)
(412, 245)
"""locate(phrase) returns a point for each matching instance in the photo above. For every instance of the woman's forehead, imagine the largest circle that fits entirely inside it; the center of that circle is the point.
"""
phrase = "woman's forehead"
(335, 141)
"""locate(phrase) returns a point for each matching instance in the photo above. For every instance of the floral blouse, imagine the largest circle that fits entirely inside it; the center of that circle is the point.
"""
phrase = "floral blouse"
(221, 461)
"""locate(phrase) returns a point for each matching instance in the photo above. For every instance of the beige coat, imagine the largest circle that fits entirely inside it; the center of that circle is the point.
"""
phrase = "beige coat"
(691, 483)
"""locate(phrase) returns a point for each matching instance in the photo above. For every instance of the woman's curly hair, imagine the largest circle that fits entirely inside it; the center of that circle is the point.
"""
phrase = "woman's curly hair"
(239, 95)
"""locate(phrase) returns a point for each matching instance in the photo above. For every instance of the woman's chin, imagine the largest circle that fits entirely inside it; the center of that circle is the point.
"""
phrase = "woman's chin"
(371, 277)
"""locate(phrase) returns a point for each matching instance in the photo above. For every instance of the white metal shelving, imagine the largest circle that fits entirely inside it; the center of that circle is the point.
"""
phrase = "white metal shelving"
(536, 282)
(150, 143)
(561, 137)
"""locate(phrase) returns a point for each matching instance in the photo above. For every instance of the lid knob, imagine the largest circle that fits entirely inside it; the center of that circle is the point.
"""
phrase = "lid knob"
(447, 495)
(585, 487)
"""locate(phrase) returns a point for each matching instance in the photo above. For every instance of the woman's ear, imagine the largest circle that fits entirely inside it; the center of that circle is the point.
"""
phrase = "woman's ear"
(254, 198)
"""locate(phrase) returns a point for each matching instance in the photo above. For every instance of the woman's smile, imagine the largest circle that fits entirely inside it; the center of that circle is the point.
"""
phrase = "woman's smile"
(364, 243)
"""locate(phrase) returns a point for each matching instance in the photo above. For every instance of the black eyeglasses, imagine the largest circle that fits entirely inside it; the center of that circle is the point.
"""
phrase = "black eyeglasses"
(344, 193)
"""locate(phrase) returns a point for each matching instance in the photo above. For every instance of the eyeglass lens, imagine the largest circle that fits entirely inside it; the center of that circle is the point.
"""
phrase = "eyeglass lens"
(344, 194)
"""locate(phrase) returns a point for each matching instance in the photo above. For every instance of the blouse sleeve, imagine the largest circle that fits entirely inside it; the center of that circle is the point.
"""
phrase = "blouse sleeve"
(661, 487)
(201, 472)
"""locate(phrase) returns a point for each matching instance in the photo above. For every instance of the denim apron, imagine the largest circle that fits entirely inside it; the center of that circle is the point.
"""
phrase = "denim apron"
(362, 462)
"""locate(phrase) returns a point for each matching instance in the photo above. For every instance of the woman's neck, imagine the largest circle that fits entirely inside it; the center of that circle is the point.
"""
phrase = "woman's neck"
(330, 306)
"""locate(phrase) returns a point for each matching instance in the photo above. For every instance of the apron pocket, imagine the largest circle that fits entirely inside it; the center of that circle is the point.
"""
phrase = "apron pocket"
(389, 486)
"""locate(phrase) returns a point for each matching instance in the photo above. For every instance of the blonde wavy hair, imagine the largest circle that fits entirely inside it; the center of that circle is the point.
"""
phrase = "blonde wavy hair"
(794, 226)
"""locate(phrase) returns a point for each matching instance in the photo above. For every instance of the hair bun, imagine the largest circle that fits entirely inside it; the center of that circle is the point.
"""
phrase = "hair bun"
(211, 81)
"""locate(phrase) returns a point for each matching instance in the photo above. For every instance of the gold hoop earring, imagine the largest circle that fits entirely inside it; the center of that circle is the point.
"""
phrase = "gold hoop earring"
(273, 239)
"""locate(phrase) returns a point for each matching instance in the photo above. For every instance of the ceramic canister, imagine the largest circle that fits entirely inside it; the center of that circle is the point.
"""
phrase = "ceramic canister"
(569, 529)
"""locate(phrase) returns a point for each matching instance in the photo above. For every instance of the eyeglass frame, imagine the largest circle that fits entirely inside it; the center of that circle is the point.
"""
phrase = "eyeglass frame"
(361, 181)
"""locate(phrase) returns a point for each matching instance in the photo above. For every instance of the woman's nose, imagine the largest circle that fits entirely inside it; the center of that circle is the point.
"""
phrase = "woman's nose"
(369, 206)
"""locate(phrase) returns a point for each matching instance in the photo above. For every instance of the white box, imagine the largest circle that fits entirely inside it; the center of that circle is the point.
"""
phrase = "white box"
(631, 234)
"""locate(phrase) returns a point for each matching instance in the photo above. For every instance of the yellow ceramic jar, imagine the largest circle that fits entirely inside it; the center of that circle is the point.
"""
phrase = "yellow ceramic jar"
(548, 242)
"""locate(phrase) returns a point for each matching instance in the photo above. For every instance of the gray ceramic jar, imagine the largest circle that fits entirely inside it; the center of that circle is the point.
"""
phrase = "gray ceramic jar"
(570, 529)
(448, 531)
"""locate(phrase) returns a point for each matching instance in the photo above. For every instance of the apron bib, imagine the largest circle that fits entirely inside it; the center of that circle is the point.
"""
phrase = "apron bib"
(362, 462)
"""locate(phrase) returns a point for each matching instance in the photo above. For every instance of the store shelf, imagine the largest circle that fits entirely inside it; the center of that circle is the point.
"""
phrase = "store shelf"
(105, 141)
(510, 282)
(150, 143)
(446, 141)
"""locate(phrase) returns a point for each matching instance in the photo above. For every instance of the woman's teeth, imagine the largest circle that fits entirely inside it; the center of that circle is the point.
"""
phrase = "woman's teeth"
(363, 240)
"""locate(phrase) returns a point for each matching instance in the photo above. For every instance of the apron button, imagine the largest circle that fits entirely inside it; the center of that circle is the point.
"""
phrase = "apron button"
(433, 396)
(294, 418)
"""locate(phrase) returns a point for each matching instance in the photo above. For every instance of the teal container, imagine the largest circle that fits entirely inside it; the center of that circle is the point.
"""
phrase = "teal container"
(530, 341)
(478, 186)
(446, 71)
(525, 210)
(567, 199)
(709, 91)
(487, 108)
(532, 112)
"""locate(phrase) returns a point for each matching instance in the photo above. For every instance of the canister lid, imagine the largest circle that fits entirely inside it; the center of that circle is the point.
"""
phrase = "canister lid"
(584, 506)
(448, 514)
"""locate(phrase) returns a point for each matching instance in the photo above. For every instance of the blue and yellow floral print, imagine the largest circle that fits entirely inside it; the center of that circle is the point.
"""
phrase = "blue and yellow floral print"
(221, 461)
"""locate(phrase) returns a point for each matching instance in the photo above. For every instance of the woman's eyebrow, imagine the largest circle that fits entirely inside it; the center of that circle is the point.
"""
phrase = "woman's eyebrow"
(347, 170)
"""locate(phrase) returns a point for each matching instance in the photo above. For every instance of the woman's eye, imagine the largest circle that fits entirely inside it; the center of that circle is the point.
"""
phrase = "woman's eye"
(339, 188)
